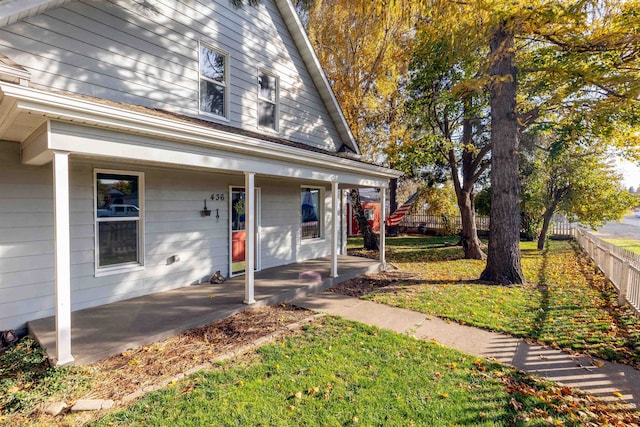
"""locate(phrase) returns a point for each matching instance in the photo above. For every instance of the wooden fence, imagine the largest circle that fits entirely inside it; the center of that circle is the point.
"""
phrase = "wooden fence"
(620, 266)
(421, 222)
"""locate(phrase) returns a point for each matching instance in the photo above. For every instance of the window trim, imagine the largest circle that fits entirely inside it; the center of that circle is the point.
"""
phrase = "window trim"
(276, 103)
(201, 77)
(321, 213)
(124, 267)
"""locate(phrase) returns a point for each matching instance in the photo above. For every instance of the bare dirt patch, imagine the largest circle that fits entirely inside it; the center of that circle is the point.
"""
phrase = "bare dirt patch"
(137, 368)
(364, 285)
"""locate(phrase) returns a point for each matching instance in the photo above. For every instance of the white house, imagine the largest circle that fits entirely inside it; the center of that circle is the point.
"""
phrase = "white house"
(120, 120)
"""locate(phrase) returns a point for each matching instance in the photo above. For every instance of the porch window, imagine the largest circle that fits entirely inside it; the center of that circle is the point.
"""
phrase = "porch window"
(311, 213)
(118, 219)
(267, 100)
(213, 81)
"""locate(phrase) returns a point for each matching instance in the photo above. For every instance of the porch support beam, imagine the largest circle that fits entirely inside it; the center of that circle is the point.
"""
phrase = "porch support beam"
(383, 214)
(344, 221)
(335, 227)
(62, 248)
(250, 239)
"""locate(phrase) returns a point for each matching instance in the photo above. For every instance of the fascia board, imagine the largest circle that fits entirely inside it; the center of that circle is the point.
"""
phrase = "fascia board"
(13, 11)
(60, 107)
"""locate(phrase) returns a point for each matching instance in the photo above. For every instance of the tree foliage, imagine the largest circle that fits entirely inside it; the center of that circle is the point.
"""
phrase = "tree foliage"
(364, 48)
(576, 59)
(576, 180)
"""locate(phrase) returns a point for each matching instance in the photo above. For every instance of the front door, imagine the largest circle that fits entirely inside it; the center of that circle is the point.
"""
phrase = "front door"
(237, 230)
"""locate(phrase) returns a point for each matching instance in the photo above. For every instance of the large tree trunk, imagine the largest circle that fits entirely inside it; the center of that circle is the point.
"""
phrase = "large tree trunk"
(546, 221)
(367, 233)
(503, 257)
(469, 234)
(472, 168)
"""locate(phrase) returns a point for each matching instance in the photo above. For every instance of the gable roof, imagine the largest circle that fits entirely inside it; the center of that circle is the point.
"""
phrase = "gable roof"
(12, 11)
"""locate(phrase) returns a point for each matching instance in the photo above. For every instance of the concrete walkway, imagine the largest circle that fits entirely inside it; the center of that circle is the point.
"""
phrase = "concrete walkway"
(563, 368)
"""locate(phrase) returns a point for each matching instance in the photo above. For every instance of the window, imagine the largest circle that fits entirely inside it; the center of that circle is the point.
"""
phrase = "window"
(213, 81)
(311, 213)
(267, 100)
(118, 216)
(369, 214)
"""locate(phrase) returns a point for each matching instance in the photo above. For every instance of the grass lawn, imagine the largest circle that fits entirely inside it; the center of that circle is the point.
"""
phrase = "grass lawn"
(335, 372)
(629, 244)
(338, 373)
(566, 303)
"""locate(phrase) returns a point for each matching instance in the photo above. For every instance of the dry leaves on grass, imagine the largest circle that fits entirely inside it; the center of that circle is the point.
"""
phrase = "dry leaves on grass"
(137, 368)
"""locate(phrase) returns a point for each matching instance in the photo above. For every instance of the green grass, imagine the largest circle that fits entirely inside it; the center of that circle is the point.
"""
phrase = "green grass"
(26, 378)
(339, 373)
(566, 303)
(629, 244)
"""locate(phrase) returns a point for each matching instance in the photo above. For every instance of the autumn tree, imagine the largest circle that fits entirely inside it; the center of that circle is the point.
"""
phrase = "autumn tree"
(449, 123)
(572, 178)
(577, 56)
(364, 49)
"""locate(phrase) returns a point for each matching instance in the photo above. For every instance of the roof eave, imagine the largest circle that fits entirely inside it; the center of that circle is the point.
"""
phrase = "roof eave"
(318, 75)
(59, 107)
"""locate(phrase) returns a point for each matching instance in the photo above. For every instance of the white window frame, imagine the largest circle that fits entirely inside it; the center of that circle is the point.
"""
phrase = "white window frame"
(321, 213)
(125, 267)
(276, 104)
(225, 86)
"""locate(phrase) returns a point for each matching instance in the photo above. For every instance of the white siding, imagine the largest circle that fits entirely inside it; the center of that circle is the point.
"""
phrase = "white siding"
(172, 223)
(26, 239)
(118, 52)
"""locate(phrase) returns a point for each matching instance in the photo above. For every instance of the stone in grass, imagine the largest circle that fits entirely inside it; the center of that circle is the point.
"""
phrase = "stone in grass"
(87, 405)
(54, 408)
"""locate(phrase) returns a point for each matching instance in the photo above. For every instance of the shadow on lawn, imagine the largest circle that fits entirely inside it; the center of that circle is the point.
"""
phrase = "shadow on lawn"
(543, 287)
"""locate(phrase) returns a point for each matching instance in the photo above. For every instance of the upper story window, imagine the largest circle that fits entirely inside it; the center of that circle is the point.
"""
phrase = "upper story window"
(267, 100)
(214, 81)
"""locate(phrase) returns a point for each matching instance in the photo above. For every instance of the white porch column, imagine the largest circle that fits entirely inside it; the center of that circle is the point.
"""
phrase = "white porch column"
(250, 239)
(62, 250)
(383, 214)
(335, 219)
(343, 208)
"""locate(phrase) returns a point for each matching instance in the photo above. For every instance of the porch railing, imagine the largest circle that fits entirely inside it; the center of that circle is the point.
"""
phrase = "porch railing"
(619, 265)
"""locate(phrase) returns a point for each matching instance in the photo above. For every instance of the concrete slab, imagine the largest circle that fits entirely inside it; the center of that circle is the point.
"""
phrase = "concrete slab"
(109, 329)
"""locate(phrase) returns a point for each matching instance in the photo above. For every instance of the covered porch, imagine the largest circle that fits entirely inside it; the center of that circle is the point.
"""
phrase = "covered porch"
(109, 329)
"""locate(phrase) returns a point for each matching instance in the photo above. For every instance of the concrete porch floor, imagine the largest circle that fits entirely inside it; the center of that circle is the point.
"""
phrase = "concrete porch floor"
(109, 329)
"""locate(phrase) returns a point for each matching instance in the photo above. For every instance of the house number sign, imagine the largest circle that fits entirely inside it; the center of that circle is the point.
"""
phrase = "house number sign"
(217, 197)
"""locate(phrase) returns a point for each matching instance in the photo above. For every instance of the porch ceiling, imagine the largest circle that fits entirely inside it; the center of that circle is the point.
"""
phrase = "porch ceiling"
(110, 329)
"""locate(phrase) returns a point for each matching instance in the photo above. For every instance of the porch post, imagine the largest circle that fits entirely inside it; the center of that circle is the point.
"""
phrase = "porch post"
(335, 200)
(250, 239)
(344, 221)
(383, 202)
(62, 251)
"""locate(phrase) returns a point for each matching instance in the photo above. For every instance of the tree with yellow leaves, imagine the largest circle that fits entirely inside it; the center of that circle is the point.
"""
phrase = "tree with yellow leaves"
(541, 57)
(364, 48)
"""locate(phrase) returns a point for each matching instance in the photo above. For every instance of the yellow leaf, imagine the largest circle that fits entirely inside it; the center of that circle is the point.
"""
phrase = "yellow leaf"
(617, 394)
(444, 395)
(597, 363)
(13, 389)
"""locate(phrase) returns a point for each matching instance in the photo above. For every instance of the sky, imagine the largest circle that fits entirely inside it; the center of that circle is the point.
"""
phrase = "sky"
(631, 173)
